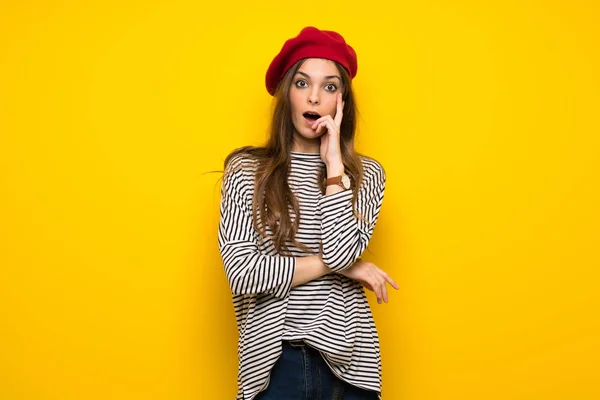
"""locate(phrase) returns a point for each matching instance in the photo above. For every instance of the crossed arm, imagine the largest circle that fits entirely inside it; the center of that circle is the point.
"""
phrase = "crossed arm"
(344, 238)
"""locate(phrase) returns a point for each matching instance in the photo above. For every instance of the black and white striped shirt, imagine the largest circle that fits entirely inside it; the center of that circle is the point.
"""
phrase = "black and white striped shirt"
(330, 313)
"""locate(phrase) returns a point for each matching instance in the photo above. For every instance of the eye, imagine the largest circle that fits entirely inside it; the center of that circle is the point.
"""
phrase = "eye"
(330, 87)
(301, 83)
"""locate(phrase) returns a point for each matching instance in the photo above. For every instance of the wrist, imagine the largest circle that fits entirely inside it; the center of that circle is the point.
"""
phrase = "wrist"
(335, 169)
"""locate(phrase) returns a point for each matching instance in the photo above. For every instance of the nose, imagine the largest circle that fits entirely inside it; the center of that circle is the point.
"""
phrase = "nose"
(313, 97)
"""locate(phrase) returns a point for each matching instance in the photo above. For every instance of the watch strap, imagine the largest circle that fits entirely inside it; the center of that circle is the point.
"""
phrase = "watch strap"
(335, 180)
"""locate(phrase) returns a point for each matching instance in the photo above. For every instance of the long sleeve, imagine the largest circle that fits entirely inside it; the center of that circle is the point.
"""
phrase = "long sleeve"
(343, 235)
(248, 271)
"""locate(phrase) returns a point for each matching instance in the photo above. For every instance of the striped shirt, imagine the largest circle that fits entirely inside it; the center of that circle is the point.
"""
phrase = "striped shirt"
(330, 313)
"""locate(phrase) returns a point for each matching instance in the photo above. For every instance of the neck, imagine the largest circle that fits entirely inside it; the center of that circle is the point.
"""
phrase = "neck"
(304, 145)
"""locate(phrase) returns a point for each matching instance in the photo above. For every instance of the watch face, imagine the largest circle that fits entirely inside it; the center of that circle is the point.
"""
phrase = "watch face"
(346, 181)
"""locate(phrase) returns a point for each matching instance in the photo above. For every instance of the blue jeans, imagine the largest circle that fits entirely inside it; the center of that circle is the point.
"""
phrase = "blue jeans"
(302, 374)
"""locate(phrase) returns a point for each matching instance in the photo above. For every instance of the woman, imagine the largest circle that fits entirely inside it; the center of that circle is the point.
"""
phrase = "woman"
(296, 215)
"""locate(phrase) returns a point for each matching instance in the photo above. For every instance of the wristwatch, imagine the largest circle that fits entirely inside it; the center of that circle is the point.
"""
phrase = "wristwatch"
(343, 180)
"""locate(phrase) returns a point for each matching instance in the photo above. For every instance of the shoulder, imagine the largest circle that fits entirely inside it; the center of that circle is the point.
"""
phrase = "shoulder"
(239, 164)
(373, 171)
(239, 172)
(242, 162)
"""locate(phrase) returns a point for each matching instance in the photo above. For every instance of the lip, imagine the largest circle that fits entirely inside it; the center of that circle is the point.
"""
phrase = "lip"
(311, 112)
(309, 122)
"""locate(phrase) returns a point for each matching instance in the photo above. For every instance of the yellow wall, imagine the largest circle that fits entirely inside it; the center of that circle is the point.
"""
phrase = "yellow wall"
(484, 115)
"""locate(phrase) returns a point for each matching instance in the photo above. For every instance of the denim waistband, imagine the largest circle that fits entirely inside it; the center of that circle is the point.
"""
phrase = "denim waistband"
(295, 343)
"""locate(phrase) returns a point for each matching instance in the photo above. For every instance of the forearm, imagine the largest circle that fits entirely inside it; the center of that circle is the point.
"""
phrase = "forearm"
(308, 269)
(341, 236)
(347, 226)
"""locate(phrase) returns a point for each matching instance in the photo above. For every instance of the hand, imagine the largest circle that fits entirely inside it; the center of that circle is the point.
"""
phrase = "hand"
(372, 278)
(330, 140)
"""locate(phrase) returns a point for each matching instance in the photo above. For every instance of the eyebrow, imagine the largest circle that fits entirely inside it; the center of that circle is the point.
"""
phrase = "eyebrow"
(327, 77)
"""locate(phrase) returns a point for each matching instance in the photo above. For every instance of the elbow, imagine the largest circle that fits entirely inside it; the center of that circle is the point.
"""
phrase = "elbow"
(338, 264)
(342, 254)
(238, 280)
(233, 281)
(339, 259)
(238, 285)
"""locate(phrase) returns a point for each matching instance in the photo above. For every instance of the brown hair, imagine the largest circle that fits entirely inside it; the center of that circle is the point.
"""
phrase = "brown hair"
(272, 194)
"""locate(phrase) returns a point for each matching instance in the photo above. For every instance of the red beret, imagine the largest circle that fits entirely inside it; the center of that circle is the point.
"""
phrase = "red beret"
(311, 43)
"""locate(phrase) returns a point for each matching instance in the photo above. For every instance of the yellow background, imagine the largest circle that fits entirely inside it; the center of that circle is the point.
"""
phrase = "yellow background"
(484, 115)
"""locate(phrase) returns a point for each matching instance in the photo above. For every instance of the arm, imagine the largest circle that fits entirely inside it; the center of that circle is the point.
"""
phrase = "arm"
(248, 271)
(308, 269)
(344, 236)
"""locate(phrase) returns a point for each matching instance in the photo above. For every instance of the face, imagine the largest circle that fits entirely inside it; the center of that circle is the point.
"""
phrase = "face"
(313, 94)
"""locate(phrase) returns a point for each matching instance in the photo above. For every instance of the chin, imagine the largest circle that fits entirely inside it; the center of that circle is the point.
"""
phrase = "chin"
(310, 134)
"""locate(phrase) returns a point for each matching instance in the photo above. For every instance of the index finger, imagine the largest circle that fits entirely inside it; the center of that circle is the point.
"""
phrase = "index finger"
(388, 278)
(339, 110)
(391, 282)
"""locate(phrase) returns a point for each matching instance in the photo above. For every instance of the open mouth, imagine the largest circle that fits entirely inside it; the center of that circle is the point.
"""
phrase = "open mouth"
(311, 116)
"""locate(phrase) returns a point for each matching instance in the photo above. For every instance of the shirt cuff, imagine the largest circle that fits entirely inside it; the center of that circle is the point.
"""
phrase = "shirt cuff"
(289, 267)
